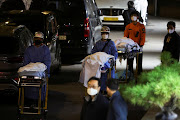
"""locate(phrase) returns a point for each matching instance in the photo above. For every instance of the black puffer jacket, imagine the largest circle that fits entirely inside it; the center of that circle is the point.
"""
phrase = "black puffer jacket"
(95, 110)
(172, 44)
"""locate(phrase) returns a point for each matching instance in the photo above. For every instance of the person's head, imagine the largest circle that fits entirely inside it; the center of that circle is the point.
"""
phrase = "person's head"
(94, 86)
(112, 86)
(105, 30)
(38, 38)
(134, 16)
(171, 27)
(130, 4)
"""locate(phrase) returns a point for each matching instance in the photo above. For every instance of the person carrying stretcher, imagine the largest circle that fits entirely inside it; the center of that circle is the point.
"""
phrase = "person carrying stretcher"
(105, 45)
(38, 52)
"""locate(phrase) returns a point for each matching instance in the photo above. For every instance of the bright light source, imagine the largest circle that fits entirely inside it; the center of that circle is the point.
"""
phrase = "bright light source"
(37, 77)
(45, 12)
(7, 22)
(23, 77)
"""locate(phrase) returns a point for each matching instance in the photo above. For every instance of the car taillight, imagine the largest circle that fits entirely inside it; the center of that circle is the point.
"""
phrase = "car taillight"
(15, 60)
(16, 79)
(86, 27)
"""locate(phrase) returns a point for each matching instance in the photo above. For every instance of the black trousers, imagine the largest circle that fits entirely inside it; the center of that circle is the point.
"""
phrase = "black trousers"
(130, 64)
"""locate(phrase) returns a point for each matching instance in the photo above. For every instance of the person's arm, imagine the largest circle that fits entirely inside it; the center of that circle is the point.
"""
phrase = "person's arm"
(118, 110)
(95, 49)
(114, 50)
(163, 49)
(126, 32)
(143, 35)
(26, 59)
(47, 59)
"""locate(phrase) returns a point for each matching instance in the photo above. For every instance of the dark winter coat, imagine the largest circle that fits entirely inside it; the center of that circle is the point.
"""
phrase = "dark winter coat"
(117, 108)
(172, 44)
(96, 109)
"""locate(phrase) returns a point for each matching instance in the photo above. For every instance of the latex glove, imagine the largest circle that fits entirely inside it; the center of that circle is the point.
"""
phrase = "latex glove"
(141, 49)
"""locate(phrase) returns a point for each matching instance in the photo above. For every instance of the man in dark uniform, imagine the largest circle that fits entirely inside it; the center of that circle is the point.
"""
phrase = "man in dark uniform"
(172, 41)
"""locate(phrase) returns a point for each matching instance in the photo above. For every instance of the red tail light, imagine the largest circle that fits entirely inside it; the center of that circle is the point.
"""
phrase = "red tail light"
(86, 27)
(15, 60)
(16, 79)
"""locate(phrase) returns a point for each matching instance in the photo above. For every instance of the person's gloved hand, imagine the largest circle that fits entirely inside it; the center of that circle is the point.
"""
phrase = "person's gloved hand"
(141, 49)
(103, 70)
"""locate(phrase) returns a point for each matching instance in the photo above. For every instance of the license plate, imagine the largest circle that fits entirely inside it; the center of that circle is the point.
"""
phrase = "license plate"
(110, 19)
(62, 37)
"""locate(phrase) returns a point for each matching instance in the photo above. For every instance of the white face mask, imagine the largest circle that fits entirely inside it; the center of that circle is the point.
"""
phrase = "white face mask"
(92, 91)
(134, 18)
(170, 31)
(105, 36)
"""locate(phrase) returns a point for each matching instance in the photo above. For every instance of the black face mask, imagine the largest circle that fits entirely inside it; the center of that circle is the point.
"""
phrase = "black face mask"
(38, 42)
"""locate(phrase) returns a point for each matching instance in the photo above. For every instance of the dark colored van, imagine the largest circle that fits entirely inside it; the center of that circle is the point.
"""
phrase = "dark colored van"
(14, 40)
(37, 20)
(79, 26)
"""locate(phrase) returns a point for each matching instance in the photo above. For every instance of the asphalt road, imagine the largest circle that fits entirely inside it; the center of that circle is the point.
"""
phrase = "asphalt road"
(65, 93)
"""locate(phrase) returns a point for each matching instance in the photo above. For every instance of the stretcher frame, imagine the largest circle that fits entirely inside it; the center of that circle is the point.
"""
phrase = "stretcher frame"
(120, 53)
(37, 82)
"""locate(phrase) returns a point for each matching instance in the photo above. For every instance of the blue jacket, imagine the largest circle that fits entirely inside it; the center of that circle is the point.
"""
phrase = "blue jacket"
(38, 54)
(117, 108)
(109, 49)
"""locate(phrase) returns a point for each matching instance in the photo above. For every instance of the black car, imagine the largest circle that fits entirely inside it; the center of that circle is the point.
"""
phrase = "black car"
(14, 40)
(79, 28)
(37, 20)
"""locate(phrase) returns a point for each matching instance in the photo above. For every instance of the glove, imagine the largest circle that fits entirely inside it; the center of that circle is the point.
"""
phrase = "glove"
(141, 49)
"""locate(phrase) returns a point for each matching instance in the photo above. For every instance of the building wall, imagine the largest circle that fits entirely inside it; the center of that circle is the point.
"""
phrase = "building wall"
(165, 8)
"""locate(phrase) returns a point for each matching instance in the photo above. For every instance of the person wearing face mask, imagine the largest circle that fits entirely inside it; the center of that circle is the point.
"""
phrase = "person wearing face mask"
(38, 52)
(127, 13)
(172, 41)
(95, 105)
(136, 32)
(117, 107)
(108, 46)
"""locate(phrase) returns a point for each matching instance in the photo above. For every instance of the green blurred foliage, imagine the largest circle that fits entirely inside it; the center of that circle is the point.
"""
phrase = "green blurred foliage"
(156, 87)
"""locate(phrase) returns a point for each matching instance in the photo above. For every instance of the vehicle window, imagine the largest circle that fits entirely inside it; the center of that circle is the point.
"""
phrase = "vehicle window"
(90, 8)
(51, 24)
(26, 38)
(112, 12)
(9, 45)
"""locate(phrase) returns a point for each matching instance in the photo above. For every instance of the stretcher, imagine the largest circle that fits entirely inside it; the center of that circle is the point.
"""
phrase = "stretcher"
(127, 48)
(35, 79)
(94, 65)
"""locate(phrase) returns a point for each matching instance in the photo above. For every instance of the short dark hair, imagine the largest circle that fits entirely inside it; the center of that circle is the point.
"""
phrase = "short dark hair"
(171, 23)
(130, 4)
(95, 78)
(112, 84)
(134, 13)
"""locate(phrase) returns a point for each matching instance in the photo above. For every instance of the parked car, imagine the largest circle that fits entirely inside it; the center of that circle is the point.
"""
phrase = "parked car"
(79, 28)
(112, 16)
(14, 40)
(36, 20)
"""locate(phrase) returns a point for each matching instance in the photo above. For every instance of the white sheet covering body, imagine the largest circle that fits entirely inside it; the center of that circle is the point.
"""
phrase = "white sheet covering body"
(38, 70)
(125, 43)
(91, 66)
(33, 69)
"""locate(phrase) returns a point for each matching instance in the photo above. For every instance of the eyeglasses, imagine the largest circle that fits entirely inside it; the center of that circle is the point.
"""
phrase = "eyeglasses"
(92, 86)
